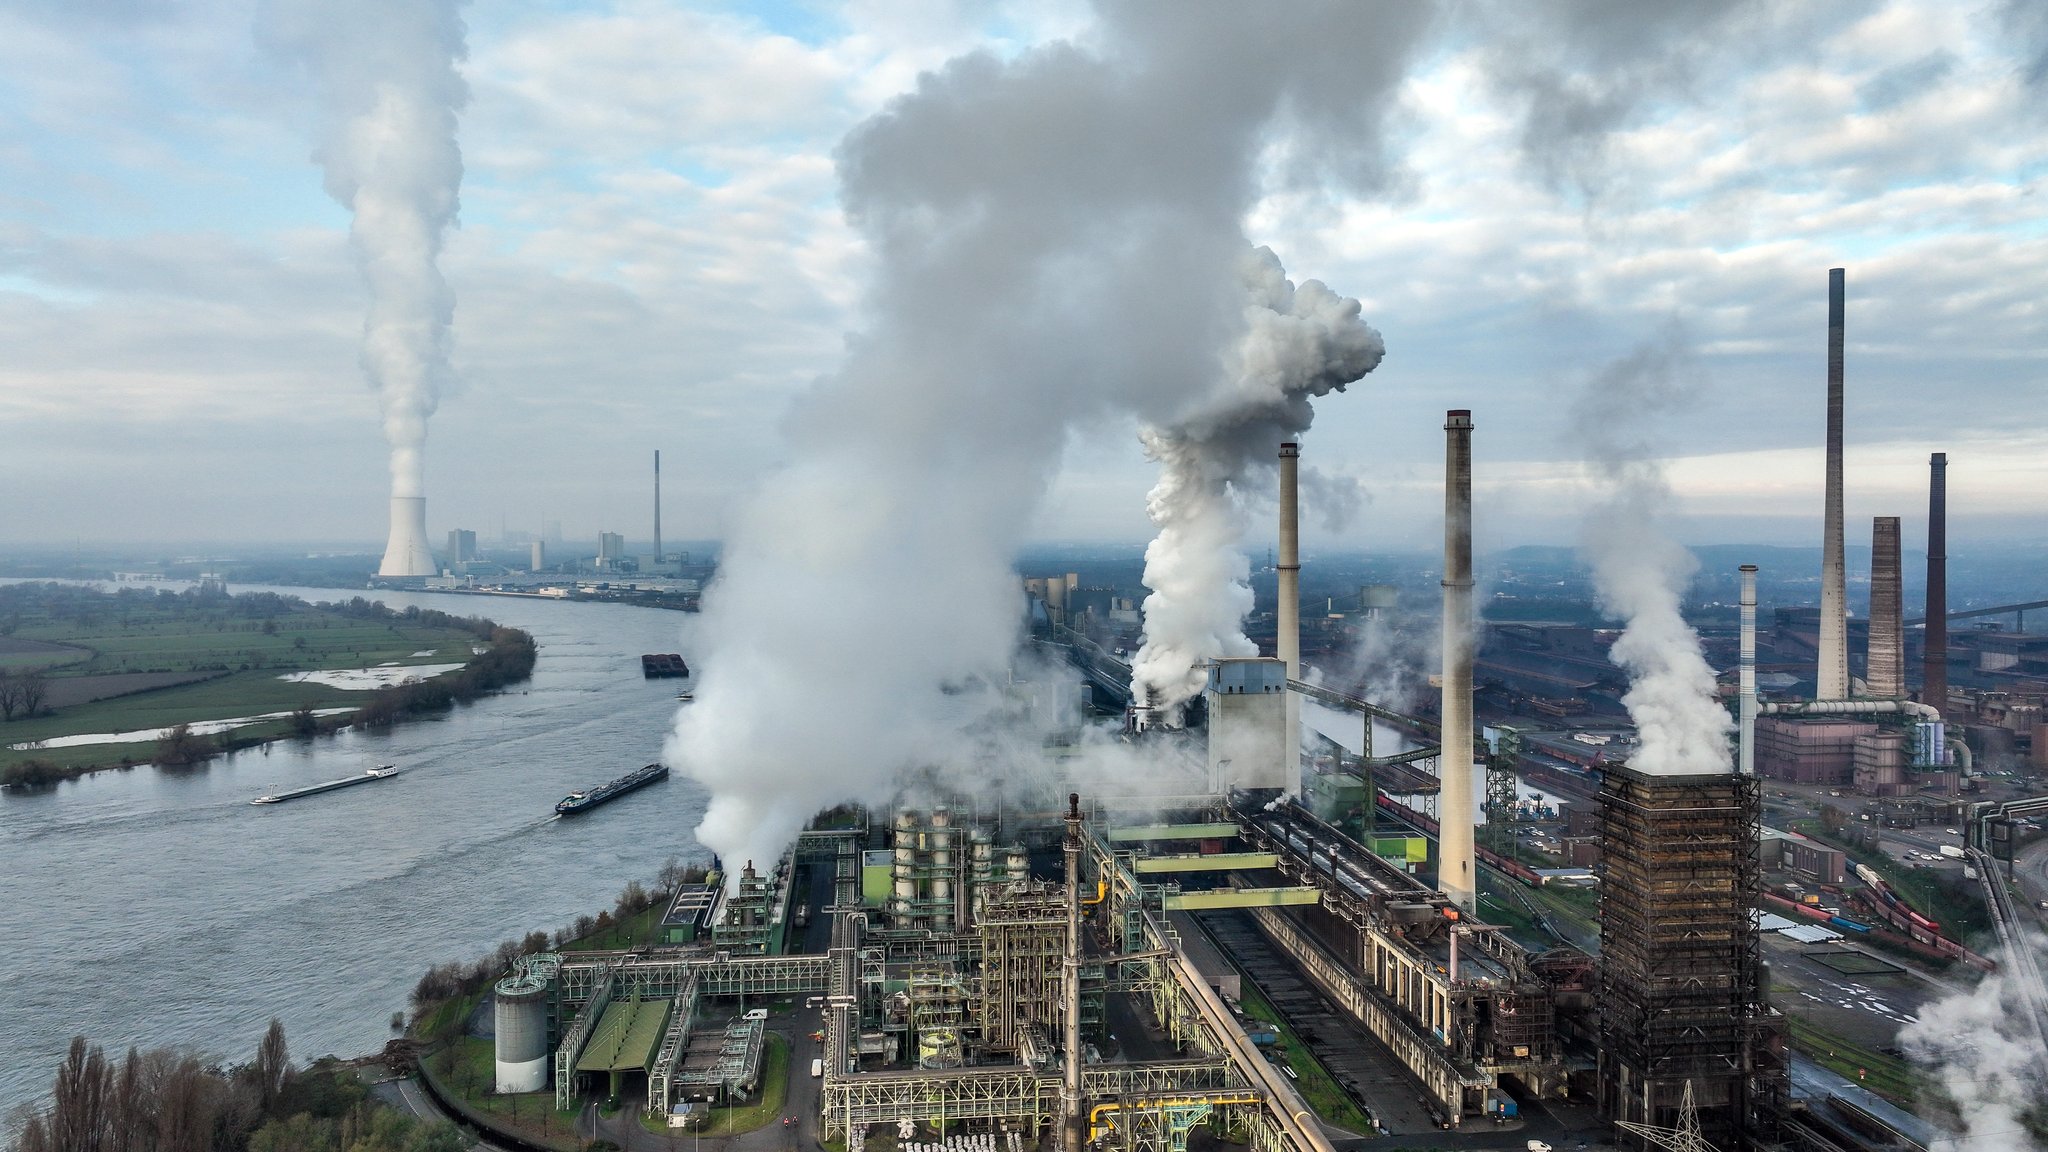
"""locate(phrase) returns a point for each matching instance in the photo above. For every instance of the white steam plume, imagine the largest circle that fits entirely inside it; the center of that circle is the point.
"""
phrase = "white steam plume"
(384, 73)
(1639, 573)
(1299, 343)
(1989, 1060)
(1056, 240)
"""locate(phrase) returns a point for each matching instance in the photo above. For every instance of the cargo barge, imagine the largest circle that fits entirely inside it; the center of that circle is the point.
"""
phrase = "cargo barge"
(576, 802)
(380, 772)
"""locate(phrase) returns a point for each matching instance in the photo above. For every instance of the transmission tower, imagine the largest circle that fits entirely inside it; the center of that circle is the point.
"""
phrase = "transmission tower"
(1684, 1138)
(1501, 760)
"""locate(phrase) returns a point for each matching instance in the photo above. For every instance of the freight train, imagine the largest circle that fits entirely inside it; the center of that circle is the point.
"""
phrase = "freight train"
(1487, 856)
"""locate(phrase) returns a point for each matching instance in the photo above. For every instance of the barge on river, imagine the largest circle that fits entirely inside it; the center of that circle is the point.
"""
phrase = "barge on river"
(576, 802)
(380, 772)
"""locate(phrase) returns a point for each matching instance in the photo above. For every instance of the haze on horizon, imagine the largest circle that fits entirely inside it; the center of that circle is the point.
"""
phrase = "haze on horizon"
(652, 255)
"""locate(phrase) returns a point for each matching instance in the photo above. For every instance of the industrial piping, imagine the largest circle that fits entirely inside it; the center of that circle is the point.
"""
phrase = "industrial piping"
(1455, 865)
(1884, 665)
(1288, 618)
(1745, 758)
(1832, 677)
(1934, 669)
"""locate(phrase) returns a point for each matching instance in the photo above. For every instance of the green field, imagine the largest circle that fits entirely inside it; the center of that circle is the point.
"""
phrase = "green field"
(244, 643)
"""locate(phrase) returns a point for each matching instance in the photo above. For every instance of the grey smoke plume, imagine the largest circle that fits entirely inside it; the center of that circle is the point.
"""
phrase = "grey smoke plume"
(1298, 344)
(1057, 240)
(384, 72)
(1988, 1059)
(1640, 573)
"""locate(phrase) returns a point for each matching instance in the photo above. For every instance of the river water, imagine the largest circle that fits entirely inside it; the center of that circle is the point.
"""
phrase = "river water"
(153, 907)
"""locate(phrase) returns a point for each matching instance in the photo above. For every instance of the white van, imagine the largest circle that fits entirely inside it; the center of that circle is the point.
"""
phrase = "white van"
(818, 1067)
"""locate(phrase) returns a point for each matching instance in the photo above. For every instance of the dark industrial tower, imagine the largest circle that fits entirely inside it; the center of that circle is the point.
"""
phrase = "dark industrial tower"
(1680, 977)
(1934, 670)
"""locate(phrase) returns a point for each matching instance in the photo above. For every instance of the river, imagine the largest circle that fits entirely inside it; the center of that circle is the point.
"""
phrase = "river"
(157, 907)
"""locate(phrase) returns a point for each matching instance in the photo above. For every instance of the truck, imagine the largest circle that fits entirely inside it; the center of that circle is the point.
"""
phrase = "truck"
(1499, 1105)
(1951, 851)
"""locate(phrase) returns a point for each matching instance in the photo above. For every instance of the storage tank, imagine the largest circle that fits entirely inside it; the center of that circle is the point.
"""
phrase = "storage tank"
(522, 1033)
(905, 868)
(942, 870)
(1019, 864)
(938, 1048)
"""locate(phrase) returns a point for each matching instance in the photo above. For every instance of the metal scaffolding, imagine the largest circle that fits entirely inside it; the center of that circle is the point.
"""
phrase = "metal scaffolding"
(1679, 975)
(1021, 929)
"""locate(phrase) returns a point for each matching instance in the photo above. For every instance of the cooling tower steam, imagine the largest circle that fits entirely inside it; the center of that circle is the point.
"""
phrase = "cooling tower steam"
(1057, 240)
(1640, 573)
(1298, 343)
(384, 74)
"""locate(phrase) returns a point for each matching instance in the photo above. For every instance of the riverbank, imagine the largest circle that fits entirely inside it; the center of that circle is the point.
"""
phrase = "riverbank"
(92, 681)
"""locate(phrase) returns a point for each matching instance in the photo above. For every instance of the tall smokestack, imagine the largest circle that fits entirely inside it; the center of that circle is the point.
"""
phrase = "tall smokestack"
(406, 552)
(1289, 617)
(1455, 871)
(657, 507)
(1745, 708)
(1832, 677)
(1884, 668)
(1934, 691)
(1073, 1124)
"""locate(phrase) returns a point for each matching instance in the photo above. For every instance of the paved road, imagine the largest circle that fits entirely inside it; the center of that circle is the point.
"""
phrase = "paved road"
(409, 1095)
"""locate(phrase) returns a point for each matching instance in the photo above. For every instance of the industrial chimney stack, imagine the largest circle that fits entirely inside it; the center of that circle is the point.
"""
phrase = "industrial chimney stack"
(1288, 620)
(1745, 747)
(657, 509)
(1934, 690)
(1885, 660)
(406, 551)
(1832, 678)
(1456, 875)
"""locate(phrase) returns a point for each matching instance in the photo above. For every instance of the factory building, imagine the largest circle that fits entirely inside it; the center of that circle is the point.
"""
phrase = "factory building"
(461, 546)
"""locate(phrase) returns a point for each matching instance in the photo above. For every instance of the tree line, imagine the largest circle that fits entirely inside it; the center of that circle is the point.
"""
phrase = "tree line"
(170, 1100)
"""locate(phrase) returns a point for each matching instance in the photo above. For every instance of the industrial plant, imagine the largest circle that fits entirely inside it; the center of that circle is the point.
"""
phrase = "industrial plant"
(1060, 960)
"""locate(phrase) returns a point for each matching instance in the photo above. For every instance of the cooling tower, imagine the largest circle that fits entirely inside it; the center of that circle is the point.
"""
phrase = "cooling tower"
(1289, 617)
(1934, 692)
(1455, 869)
(407, 553)
(1832, 677)
(1885, 663)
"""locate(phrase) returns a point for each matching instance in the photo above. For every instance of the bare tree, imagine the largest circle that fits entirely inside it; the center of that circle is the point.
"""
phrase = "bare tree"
(31, 691)
(10, 695)
(273, 1068)
(78, 1105)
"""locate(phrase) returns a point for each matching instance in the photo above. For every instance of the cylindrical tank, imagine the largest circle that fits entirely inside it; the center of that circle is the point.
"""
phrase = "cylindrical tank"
(904, 867)
(942, 869)
(522, 1034)
(1018, 864)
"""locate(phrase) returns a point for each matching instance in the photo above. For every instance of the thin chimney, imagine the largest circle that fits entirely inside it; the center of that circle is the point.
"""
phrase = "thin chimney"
(657, 508)
(1288, 620)
(1745, 760)
(1832, 676)
(1456, 874)
(1934, 691)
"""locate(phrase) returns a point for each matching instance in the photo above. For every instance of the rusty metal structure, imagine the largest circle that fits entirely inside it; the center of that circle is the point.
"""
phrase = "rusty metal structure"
(1680, 977)
(1884, 668)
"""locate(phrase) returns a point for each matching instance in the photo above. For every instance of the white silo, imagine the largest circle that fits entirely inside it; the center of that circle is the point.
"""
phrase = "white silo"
(522, 1033)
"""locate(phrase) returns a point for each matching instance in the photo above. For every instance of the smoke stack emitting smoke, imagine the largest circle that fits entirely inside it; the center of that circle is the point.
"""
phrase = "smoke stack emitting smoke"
(1298, 343)
(1640, 574)
(385, 74)
(1058, 241)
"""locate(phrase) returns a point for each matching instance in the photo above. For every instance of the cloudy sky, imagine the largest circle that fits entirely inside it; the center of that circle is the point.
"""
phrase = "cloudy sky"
(652, 254)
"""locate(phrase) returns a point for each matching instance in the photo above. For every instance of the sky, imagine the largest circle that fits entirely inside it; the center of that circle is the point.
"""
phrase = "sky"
(652, 254)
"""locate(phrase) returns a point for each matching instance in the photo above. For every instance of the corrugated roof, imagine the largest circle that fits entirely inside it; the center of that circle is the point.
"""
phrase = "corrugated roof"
(625, 1037)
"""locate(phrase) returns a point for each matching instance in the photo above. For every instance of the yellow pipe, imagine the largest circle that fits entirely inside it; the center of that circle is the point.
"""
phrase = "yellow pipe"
(1096, 1127)
(1101, 891)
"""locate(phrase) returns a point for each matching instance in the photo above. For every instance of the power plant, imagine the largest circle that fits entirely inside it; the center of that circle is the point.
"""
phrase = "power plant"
(1049, 957)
